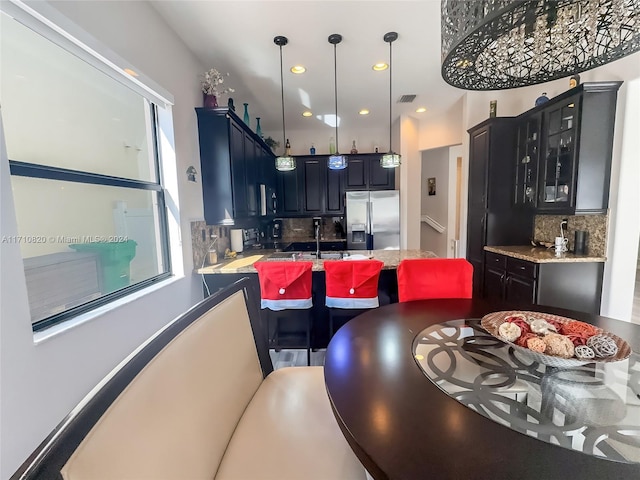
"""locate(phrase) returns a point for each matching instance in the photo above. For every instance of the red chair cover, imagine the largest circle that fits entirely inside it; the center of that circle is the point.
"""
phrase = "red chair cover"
(284, 285)
(352, 284)
(426, 278)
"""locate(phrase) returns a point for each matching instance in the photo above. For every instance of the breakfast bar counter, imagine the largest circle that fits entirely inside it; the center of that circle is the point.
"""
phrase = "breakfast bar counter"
(243, 263)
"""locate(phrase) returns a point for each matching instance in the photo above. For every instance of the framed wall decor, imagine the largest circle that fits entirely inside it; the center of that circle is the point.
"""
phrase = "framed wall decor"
(431, 185)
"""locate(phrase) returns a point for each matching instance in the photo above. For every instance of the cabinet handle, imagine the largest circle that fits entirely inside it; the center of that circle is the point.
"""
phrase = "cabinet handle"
(522, 268)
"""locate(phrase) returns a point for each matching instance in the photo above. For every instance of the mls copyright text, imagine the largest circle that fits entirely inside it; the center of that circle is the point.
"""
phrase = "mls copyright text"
(33, 239)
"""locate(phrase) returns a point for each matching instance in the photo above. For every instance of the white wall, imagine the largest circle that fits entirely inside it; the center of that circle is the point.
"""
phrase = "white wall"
(409, 182)
(624, 205)
(624, 217)
(40, 383)
(453, 229)
(301, 139)
(443, 131)
(435, 163)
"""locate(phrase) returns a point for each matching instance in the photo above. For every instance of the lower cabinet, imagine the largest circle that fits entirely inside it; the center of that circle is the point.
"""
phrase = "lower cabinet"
(576, 286)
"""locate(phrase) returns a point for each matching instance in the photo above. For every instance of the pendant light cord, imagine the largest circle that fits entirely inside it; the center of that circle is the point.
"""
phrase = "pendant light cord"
(335, 90)
(284, 133)
(390, 80)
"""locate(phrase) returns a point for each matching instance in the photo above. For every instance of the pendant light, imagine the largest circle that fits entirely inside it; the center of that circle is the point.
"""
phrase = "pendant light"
(336, 161)
(285, 162)
(391, 159)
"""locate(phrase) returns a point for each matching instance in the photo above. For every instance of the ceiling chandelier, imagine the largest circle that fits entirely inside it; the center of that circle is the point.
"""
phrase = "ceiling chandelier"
(499, 44)
(284, 163)
(336, 161)
(391, 159)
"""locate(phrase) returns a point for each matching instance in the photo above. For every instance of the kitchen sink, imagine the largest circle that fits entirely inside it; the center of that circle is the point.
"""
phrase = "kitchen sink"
(305, 256)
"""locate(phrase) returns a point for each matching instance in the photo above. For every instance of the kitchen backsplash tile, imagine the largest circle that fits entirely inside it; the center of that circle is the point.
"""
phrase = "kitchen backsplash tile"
(547, 228)
(301, 229)
(294, 230)
(201, 241)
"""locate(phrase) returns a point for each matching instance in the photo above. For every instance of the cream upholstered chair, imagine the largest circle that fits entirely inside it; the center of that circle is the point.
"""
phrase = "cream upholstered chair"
(199, 400)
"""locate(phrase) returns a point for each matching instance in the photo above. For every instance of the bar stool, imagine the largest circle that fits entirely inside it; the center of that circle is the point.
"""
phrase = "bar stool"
(352, 288)
(285, 290)
(426, 278)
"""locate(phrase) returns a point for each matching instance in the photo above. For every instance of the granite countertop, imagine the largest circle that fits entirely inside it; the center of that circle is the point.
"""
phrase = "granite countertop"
(391, 259)
(541, 254)
(307, 239)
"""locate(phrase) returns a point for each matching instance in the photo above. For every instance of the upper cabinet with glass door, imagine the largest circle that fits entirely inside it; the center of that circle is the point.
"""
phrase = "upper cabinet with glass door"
(527, 161)
(564, 151)
(558, 162)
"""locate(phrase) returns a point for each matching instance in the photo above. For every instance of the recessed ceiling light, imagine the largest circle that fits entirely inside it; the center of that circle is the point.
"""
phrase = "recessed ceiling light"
(131, 72)
(298, 69)
(306, 113)
(379, 67)
(364, 111)
(421, 110)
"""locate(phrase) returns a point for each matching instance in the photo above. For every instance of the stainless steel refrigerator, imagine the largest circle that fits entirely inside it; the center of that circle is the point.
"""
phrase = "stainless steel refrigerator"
(373, 220)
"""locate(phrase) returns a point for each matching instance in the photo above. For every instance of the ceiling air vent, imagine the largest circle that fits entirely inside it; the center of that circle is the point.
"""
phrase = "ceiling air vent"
(407, 98)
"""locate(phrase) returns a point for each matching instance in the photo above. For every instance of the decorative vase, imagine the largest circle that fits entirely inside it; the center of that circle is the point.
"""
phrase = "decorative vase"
(210, 101)
(258, 127)
(542, 99)
(246, 114)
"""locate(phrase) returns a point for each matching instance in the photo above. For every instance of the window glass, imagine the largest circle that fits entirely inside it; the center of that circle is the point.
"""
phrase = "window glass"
(60, 111)
(85, 238)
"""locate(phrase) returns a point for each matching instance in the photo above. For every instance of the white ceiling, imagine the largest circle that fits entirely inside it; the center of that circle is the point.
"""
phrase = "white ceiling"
(237, 37)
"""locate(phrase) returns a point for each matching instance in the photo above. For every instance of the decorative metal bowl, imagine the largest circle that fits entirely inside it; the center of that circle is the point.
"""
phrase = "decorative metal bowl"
(492, 322)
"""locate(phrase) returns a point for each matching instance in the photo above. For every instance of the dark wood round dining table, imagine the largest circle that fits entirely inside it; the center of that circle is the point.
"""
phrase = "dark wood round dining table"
(402, 426)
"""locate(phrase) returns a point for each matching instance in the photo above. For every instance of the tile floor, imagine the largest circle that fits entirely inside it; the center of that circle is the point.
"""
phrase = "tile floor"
(296, 358)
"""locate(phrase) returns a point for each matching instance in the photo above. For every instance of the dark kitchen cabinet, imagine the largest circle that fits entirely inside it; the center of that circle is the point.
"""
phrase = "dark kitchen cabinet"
(314, 183)
(313, 189)
(239, 193)
(558, 164)
(251, 158)
(567, 144)
(302, 191)
(506, 280)
(576, 286)
(526, 192)
(364, 172)
(233, 160)
(334, 202)
(288, 193)
(492, 218)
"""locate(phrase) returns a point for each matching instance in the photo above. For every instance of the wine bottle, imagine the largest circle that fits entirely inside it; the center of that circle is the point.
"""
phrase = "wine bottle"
(287, 148)
(312, 150)
(354, 150)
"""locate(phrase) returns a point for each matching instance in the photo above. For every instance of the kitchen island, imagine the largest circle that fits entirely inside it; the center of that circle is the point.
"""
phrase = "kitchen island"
(228, 271)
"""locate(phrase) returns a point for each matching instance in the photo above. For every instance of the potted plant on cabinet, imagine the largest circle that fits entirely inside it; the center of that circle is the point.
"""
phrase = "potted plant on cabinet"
(272, 144)
(212, 79)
